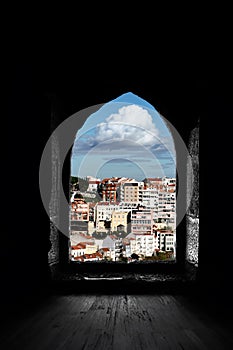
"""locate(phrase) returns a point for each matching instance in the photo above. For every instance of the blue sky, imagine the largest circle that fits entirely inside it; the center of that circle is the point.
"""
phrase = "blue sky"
(125, 137)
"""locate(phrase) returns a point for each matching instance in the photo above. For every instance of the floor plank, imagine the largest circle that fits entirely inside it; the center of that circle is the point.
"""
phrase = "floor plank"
(130, 322)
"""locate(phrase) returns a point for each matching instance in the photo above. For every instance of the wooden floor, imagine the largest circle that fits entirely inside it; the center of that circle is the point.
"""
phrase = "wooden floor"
(115, 322)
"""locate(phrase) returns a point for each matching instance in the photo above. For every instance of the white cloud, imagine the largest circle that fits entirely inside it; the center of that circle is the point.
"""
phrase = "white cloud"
(133, 123)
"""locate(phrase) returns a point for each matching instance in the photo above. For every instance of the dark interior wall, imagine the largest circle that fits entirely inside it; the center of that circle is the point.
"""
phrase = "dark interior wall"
(216, 239)
(181, 96)
(25, 235)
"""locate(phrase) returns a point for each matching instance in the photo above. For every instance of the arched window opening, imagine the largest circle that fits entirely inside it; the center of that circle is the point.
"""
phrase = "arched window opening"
(123, 186)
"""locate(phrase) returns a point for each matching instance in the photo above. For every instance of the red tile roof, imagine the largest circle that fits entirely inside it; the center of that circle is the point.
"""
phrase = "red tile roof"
(154, 179)
(78, 246)
(108, 203)
(89, 256)
(93, 256)
(82, 245)
(79, 258)
(165, 231)
(106, 179)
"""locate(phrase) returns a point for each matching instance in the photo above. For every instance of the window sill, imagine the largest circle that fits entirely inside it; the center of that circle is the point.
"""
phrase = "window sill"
(124, 282)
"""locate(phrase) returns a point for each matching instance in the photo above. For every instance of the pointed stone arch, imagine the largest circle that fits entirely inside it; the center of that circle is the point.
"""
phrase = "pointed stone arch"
(126, 130)
(59, 253)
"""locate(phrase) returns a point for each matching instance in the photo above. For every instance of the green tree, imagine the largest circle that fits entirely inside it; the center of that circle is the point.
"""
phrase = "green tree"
(99, 235)
(78, 195)
(162, 256)
(134, 256)
(73, 180)
(115, 233)
(121, 234)
(123, 258)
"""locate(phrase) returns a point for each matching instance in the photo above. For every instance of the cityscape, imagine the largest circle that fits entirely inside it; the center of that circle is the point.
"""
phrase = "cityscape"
(122, 219)
(123, 185)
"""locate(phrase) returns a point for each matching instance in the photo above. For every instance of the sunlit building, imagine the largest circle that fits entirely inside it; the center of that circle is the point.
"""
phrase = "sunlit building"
(119, 218)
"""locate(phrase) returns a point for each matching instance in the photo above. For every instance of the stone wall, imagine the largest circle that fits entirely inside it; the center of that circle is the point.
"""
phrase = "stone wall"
(53, 255)
(192, 239)
(192, 216)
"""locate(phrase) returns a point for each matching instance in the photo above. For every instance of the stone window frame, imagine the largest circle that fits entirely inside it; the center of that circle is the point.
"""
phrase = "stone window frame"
(58, 259)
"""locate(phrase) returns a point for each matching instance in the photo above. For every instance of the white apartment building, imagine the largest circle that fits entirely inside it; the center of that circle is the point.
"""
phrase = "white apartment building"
(165, 240)
(141, 221)
(100, 227)
(140, 244)
(126, 206)
(92, 183)
(104, 210)
(167, 207)
(148, 244)
(127, 250)
(145, 244)
(150, 200)
(167, 181)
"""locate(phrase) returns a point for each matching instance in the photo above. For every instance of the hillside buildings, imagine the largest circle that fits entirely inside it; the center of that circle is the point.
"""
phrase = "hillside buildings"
(125, 217)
